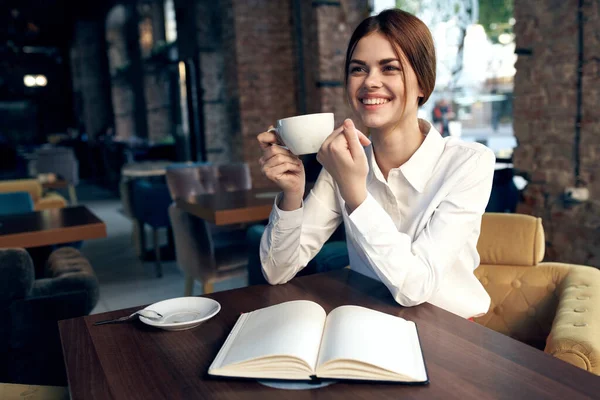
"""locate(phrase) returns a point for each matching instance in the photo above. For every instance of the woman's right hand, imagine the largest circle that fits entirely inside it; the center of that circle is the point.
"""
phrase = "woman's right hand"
(280, 166)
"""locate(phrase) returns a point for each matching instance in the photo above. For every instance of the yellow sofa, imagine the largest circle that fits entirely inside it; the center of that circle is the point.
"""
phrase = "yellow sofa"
(34, 188)
(552, 306)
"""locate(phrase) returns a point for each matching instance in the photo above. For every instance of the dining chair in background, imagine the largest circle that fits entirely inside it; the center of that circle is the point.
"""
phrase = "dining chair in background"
(41, 200)
(149, 206)
(233, 177)
(62, 162)
(206, 252)
(191, 179)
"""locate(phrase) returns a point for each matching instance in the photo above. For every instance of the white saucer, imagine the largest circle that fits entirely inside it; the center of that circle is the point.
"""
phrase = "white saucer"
(182, 312)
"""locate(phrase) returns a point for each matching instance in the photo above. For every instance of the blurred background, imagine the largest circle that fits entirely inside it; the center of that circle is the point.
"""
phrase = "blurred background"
(122, 82)
(196, 80)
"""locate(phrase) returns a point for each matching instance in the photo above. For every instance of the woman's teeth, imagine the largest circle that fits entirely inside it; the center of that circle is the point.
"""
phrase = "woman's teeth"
(374, 101)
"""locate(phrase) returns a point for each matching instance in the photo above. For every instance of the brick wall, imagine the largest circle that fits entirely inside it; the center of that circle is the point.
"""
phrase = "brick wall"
(335, 25)
(266, 71)
(268, 63)
(545, 116)
(250, 66)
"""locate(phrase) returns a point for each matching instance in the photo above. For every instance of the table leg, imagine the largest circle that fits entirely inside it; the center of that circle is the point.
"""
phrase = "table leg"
(157, 253)
(139, 239)
(72, 195)
(207, 287)
(189, 286)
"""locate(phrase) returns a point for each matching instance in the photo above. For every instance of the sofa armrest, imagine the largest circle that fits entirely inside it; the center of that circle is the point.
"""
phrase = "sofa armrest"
(575, 334)
(34, 320)
(50, 200)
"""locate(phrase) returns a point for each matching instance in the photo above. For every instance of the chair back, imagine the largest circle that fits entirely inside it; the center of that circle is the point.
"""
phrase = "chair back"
(185, 180)
(505, 195)
(60, 161)
(15, 203)
(149, 202)
(511, 239)
(234, 176)
(194, 245)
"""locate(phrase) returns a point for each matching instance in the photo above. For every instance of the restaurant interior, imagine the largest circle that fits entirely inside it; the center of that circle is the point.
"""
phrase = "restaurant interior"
(130, 175)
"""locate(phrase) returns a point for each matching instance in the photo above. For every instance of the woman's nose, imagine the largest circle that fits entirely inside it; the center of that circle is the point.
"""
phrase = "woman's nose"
(372, 80)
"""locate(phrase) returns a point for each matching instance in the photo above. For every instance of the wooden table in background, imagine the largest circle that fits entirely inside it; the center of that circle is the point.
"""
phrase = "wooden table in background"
(225, 208)
(464, 360)
(58, 184)
(52, 226)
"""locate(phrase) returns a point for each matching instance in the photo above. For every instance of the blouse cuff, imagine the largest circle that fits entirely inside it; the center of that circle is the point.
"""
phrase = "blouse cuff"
(369, 217)
(286, 219)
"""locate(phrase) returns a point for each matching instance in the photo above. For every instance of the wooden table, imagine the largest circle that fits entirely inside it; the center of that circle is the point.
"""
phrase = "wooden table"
(52, 226)
(225, 208)
(464, 360)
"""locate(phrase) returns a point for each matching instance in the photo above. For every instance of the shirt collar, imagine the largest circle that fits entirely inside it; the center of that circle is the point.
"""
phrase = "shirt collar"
(418, 169)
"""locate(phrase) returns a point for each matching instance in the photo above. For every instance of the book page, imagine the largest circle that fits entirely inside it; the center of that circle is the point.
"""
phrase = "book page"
(292, 328)
(374, 338)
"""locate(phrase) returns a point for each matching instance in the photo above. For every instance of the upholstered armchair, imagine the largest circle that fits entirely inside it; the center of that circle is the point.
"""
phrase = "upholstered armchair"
(30, 349)
(34, 188)
(552, 306)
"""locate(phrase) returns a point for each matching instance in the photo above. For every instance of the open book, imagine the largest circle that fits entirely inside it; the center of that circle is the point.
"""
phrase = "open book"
(296, 340)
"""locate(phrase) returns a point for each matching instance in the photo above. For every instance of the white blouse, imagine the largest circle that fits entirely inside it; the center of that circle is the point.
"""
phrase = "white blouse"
(416, 232)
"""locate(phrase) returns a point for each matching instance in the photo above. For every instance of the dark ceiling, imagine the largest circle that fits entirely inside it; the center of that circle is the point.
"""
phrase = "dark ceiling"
(45, 22)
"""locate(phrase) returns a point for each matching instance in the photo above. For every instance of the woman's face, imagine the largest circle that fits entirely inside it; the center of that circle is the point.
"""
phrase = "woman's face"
(375, 87)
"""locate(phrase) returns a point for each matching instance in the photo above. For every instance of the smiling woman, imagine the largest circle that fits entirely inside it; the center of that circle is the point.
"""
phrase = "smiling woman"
(411, 201)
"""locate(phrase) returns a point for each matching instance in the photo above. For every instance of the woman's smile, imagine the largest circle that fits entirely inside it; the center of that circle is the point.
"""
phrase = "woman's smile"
(374, 102)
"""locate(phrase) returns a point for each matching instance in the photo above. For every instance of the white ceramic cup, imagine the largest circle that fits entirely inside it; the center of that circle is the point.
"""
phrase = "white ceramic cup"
(304, 134)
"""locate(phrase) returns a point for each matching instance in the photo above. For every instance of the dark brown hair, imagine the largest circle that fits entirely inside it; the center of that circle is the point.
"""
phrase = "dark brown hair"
(409, 36)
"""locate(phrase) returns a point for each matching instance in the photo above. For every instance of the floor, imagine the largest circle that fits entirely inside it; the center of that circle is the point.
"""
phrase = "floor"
(125, 281)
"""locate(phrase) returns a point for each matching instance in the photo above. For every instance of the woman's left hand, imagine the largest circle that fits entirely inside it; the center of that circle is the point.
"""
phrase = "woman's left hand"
(343, 156)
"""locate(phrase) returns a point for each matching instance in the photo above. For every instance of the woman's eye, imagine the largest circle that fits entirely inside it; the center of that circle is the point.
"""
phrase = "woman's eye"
(354, 70)
(391, 68)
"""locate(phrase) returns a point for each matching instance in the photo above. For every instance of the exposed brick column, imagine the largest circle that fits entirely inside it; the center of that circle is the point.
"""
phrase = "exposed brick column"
(266, 77)
(218, 132)
(545, 116)
(91, 79)
(158, 75)
(267, 63)
(335, 22)
(157, 86)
